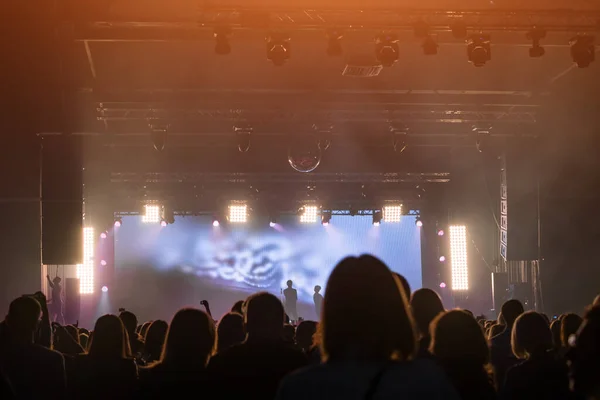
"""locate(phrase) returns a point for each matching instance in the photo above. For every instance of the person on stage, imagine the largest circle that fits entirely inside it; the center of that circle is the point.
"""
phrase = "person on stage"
(291, 298)
(318, 299)
(56, 305)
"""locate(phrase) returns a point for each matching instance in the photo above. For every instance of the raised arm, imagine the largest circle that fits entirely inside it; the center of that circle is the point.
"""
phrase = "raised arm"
(50, 282)
(206, 307)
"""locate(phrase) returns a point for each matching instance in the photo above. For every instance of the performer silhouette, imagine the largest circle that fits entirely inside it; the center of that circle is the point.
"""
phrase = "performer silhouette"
(318, 299)
(291, 298)
(56, 303)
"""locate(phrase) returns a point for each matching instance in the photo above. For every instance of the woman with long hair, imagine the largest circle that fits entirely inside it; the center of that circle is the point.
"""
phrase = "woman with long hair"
(182, 367)
(155, 340)
(368, 342)
(230, 331)
(107, 370)
(460, 347)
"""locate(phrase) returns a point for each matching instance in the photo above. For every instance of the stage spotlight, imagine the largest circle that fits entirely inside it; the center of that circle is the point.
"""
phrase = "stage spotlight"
(104, 289)
(479, 49)
(243, 139)
(377, 217)
(118, 222)
(334, 42)
(536, 35)
(392, 213)
(308, 214)
(418, 222)
(458, 257)
(158, 133)
(238, 213)
(163, 223)
(443, 285)
(85, 271)
(386, 49)
(430, 46)
(215, 223)
(440, 232)
(222, 45)
(278, 48)
(442, 258)
(325, 218)
(103, 235)
(459, 30)
(399, 141)
(151, 214)
(583, 50)
(272, 224)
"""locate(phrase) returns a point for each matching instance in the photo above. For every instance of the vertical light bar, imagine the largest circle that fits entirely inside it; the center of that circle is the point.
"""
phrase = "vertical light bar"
(392, 213)
(238, 213)
(458, 255)
(309, 214)
(151, 214)
(85, 271)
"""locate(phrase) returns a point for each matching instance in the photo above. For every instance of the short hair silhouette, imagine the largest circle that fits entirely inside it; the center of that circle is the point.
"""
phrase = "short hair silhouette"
(317, 289)
(109, 339)
(364, 286)
(264, 315)
(190, 338)
(404, 283)
(155, 339)
(456, 335)
(426, 305)
(304, 334)
(289, 283)
(230, 331)
(129, 320)
(238, 307)
(511, 310)
(24, 315)
(530, 334)
(569, 326)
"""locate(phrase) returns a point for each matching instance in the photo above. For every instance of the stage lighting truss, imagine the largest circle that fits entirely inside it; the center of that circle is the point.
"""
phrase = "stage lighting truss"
(479, 49)
(392, 213)
(387, 50)
(583, 50)
(458, 257)
(152, 214)
(309, 214)
(238, 213)
(85, 271)
(278, 48)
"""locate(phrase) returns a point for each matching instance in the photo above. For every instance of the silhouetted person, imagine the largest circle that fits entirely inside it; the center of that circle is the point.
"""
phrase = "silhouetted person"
(541, 375)
(501, 350)
(254, 368)
(304, 335)
(155, 341)
(368, 342)
(238, 307)
(230, 331)
(404, 283)
(569, 325)
(291, 300)
(584, 356)
(108, 371)
(144, 330)
(6, 390)
(34, 372)
(56, 302)
(318, 300)
(130, 322)
(460, 347)
(425, 305)
(182, 367)
(555, 328)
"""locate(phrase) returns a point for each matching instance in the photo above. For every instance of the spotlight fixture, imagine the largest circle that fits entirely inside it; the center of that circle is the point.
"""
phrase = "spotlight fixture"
(440, 232)
(583, 50)
(222, 45)
(238, 213)
(442, 258)
(536, 35)
(118, 222)
(103, 263)
(308, 214)
(103, 235)
(421, 29)
(377, 217)
(85, 271)
(104, 289)
(216, 222)
(243, 138)
(152, 213)
(163, 223)
(278, 48)
(325, 218)
(158, 133)
(479, 49)
(399, 141)
(430, 46)
(386, 49)
(418, 222)
(168, 216)
(334, 42)
(459, 29)
(272, 219)
(442, 285)
(458, 257)
(392, 213)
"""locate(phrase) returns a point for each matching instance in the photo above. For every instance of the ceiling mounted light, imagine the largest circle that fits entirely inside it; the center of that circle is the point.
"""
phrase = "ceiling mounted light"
(479, 49)
(222, 44)
(386, 49)
(583, 50)
(334, 42)
(243, 138)
(158, 134)
(536, 35)
(430, 46)
(459, 29)
(278, 48)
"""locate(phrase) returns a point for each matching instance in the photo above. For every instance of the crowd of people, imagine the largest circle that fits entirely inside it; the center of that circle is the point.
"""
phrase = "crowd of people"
(375, 340)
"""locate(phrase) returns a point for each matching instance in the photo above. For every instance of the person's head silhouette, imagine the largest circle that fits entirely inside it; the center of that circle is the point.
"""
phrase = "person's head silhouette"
(289, 284)
(23, 318)
(426, 305)
(530, 334)
(56, 280)
(110, 339)
(511, 311)
(317, 289)
(264, 316)
(130, 321)
(190, 339)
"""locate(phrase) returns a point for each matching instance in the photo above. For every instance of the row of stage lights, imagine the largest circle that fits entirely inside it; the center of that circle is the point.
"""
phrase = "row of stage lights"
(387, 51)
(238, 213)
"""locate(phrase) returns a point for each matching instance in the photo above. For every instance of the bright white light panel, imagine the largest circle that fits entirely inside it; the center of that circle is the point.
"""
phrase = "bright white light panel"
(151, 214)
(85, 271)
(238, 213)
(392, 213)
(458, 255)
(310, 214)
